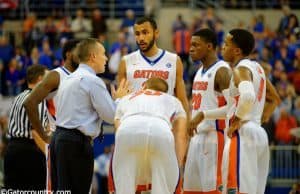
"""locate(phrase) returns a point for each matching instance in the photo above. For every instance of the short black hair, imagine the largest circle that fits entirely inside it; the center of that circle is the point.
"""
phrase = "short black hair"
(243, 39)
(33, 72)
(147, 19)
(208, 36)
(68, 47)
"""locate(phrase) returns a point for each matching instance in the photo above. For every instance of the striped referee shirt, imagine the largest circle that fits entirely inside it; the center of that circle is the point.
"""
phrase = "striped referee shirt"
(19, 125)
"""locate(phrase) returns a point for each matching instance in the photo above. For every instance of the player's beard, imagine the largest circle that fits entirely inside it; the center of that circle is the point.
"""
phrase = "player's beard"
(74, 64)
(151, 43)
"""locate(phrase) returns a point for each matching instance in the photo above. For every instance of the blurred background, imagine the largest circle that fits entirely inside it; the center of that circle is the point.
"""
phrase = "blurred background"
(34, 31)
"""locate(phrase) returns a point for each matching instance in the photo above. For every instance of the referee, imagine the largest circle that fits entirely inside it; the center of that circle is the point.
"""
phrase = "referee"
(24, 162)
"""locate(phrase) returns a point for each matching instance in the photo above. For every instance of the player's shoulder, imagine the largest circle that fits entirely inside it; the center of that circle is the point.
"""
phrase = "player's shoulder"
(169, 97)
(247, 62)
(131, 55)
(170, 54)
(222, 63)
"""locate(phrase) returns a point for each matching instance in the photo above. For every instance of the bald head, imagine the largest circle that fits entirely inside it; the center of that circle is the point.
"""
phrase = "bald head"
(157, 84)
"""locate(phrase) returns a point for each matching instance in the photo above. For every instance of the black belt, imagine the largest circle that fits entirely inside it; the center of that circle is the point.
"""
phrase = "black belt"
(76, 132)
(21, 140)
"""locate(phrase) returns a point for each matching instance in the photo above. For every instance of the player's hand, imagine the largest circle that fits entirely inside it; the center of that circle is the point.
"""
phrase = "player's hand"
(39, 141)
(195, 122)
(123, 89)
(235, 125)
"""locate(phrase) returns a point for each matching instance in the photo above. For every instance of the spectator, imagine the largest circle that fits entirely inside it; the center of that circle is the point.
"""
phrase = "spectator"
(293, 23)
(34, 57)
(58, 52)
(29, 23)
(102, 162)
(294, 76)
(64, 27)
(196, 24)
(128, 21)
(80, 26)
(22, 61)
(121, 42)
(33, 38)
(6, 50)
(1, 26)
(127, 28)
(296, 111)
(1, 78)
(103, 39)
(179, 24)
(115, 59)
(50, 30)
(46, 57)
(284, 21)
(210, 19)
(13, 78)
(283, 126)
(98, 24)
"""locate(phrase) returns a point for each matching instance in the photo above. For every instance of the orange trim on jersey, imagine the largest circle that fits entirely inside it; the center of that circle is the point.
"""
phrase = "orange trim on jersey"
(202, 192)
(179, 186)
(220, 156)
(221, 122)
(232, 178)
(51, 107)
(49, 185)
(110, 179)
(144, 187)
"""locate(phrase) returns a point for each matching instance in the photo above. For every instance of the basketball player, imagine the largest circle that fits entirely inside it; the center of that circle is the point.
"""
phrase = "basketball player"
(151, 61)
(47, 89)
(203, 166)
(49, 85)
(246, 151)
(145, 148)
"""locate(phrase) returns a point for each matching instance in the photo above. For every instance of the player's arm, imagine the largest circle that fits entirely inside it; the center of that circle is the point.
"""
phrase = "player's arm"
(272, 101)
(38, 94)
(117, 123)
(39, 141)
(243, 81)
(180, 135)
(180, 91)
(222, 81)
(121, 72)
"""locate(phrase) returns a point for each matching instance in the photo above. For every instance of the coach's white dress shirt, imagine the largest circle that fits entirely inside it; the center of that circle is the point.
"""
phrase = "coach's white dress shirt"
(83, 102)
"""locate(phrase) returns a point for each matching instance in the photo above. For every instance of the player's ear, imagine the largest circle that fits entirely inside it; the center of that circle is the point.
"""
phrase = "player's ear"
(156, 33)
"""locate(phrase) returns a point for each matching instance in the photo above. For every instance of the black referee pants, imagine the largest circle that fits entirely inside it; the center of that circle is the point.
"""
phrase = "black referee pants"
(72, 161)
(24, 165)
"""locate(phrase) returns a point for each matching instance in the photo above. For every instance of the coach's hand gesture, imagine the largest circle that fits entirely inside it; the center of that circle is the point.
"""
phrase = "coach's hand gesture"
(123, 89)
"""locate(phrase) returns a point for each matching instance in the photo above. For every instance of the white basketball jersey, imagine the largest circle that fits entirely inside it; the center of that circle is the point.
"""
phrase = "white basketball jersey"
(259, 83)
(150, 103)
(205, 97)
(139, 68)
(52, 98)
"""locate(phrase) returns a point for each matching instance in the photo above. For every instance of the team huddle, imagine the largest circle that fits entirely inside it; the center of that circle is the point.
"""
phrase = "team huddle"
(161, 145)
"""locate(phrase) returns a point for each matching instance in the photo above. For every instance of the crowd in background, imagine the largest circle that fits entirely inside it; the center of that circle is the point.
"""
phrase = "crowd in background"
(278, 50)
